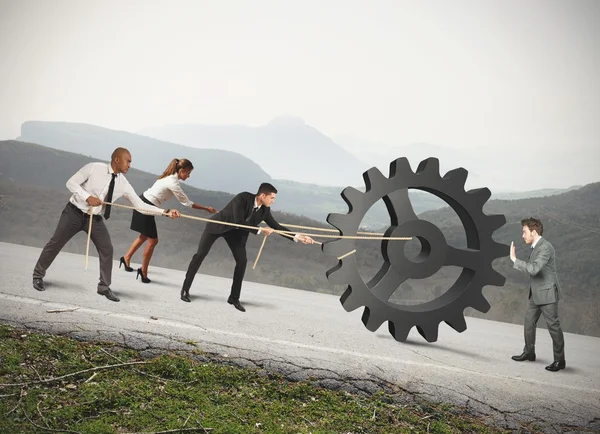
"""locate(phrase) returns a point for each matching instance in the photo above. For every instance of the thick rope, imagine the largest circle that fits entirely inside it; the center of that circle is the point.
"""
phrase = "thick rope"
(329, 230)
(284, 233)
(377, 236)
(87, 247)
(259, 252)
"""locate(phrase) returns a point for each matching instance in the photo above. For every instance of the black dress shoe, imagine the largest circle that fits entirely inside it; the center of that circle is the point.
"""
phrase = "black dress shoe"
(236, 304)
(523, 357)
(144, 278)
(109, 294)
(185, 296)
(39, 284)
(556, 366)
(123, 263)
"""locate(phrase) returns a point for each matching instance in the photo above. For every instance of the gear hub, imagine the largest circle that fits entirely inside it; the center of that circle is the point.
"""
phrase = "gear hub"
(476, 259)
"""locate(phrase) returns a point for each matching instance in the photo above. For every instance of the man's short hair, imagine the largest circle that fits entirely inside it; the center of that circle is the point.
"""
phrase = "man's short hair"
(533, 224)
(117, 153)
(266, 188)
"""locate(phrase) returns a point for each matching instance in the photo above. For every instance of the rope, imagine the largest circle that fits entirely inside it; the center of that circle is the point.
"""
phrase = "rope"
(329, 230)
(284, 233)
(259, 251)
(87, 247)
(376, 236)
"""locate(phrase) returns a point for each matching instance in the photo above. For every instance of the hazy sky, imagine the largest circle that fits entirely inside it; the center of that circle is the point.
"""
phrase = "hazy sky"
(463, 74)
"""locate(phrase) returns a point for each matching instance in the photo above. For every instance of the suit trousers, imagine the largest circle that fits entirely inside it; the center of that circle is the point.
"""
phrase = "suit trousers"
(73, 220)
(236, 240)
(532, 316)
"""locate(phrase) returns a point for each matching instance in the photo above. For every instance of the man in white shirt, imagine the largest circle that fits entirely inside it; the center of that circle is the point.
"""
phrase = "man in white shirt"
(92, 182)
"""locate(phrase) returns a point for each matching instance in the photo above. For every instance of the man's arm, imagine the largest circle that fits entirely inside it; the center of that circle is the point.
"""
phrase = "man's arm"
(75, 181)
(270, 220)
(534, 267)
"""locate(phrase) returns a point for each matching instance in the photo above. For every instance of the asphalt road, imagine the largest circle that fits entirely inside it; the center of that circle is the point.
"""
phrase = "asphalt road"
(309, 335)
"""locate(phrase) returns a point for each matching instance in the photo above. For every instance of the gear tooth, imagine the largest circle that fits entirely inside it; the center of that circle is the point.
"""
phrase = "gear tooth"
(371, 320)
(429, 332)
(373, 176)
(430, 164)
(399, 166)
(482, 194)
(480, 303)
(352, 196)
(337, 220)
(496, 221)
(336, 277)
(399, 331)
(350, 303)
(498, 250)
(338, 248)
(458, 323)
(457, 176)
(495, 278)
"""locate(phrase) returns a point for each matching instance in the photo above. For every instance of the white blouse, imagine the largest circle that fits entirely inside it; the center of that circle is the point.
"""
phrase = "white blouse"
(164, 189)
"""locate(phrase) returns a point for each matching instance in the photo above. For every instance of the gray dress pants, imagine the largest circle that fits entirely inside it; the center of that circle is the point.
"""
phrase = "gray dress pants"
(532, 316)
(72, 220)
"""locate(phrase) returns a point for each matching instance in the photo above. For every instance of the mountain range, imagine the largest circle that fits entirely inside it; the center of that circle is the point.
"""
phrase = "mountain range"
(33, 194)
(232, 172)
(286, 148)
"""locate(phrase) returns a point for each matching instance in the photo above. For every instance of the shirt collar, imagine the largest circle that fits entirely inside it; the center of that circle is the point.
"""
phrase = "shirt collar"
(535, 242)
(110, 169)
(255, 204)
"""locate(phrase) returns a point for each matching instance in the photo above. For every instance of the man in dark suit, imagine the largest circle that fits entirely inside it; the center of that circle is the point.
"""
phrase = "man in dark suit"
(246, 209)
(544, 293)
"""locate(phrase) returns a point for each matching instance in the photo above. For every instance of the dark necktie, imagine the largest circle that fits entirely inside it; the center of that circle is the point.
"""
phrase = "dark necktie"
(109, 195)
(252, 213)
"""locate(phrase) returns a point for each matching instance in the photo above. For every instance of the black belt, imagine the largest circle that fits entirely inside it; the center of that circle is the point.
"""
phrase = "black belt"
(84, 214)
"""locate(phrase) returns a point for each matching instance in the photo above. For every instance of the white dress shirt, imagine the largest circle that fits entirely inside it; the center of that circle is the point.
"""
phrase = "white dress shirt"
(93, 180)
(164, 189)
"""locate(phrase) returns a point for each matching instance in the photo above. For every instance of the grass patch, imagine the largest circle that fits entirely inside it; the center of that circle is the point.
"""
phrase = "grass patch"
(172, 392)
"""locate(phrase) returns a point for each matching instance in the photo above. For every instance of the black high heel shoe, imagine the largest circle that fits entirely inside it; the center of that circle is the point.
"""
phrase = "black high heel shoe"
(144, 278)
(127, 267)
(185, 296)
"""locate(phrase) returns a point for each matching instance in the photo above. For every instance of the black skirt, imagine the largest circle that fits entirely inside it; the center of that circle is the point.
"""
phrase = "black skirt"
(144, 224)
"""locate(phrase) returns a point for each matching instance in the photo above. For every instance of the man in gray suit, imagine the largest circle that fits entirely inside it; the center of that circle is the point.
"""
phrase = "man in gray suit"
(544, 293)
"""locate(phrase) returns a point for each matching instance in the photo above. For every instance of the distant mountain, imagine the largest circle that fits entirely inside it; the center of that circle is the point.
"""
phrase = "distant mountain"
(36, 165)
(503, 172)
(380, 155)
(287, 148)
(214, 169)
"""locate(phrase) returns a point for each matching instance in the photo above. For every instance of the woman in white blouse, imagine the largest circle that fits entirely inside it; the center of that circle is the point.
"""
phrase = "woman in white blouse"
(163, 189)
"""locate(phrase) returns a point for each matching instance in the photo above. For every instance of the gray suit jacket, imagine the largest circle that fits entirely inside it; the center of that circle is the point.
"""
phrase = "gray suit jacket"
(541, 267)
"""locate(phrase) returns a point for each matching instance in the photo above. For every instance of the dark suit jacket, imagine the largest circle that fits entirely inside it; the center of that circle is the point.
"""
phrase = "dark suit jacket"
(239, 210)
(543, 279)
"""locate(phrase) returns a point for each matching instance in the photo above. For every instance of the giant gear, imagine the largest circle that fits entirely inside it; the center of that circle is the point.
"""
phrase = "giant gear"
(476, 259)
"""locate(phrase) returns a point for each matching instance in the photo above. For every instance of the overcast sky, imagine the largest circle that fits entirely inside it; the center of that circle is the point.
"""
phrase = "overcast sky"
(462, 74)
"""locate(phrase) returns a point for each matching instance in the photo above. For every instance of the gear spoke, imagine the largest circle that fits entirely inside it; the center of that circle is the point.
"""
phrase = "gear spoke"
(466, 258)
(386, 282)
(399, 207)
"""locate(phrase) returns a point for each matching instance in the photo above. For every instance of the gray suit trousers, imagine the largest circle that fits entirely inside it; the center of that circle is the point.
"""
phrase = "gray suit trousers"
(73, 220)
(532, 316)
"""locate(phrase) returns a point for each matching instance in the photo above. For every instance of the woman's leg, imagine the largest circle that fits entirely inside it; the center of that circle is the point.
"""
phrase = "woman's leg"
(137, 243)
(148, 251)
